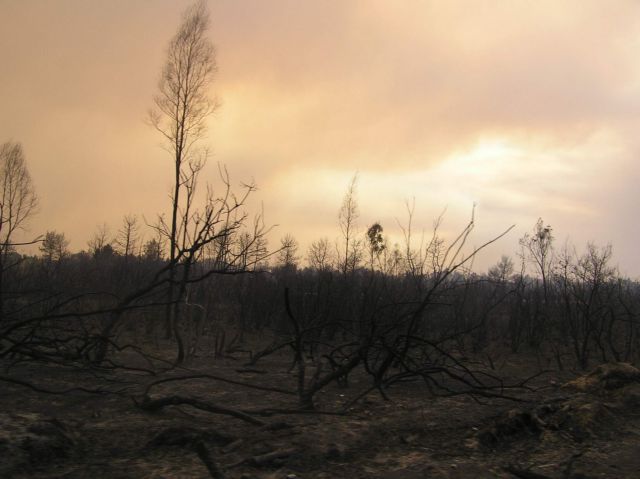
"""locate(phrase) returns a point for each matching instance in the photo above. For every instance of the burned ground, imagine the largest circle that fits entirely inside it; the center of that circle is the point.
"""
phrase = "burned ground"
(564, 426)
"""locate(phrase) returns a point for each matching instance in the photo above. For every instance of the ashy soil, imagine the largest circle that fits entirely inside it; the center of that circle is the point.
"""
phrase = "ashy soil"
(568, 427)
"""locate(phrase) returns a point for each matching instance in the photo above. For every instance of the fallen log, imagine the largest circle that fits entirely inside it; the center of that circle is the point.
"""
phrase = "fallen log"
(152, 405)
(265, 459)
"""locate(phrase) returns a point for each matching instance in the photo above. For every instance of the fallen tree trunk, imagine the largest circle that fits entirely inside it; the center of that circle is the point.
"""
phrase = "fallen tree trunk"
(152, 405)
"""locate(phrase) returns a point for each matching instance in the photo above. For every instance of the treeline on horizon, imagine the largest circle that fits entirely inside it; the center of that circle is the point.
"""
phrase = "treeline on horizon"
(573, 308)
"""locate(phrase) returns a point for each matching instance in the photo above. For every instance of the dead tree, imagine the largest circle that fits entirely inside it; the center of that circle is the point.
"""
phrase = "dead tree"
(181, 107)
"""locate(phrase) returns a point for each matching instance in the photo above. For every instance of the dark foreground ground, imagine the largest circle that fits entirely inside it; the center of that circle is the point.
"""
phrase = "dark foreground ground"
(590, 429)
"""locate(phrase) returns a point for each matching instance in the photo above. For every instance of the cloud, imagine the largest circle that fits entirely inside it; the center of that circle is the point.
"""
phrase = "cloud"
(408, 94)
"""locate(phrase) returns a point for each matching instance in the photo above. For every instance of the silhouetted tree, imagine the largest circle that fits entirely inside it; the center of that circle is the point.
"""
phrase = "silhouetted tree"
(54, 246)
(100, 242)
(538, 249)
(152, 250)
(347, 219)
(288, 254)
(503, 270)
(181, 106)
(18, 201)
(127, 237)
(376, 242)
(319, 255)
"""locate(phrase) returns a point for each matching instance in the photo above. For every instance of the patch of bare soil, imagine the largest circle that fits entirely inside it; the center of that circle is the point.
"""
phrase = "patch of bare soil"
(587, 428)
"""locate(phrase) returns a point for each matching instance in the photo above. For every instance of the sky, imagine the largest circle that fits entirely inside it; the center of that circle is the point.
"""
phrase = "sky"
(525, 109)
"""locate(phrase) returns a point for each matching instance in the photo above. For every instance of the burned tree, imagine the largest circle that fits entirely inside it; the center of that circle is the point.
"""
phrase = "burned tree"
(350, 257)
(18, 201)
(181, 107)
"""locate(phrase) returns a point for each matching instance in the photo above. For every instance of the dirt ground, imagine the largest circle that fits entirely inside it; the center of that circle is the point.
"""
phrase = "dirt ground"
(587, 429)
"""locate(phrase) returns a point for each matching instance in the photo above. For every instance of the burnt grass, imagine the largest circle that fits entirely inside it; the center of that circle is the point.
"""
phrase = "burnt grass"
(583, 430)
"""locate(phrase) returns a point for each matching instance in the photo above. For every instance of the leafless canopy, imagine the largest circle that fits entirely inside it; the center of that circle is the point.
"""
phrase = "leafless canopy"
(183, 101)
(18, 199)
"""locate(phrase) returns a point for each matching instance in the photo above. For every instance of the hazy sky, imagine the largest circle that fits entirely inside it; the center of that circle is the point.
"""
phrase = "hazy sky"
(529, 109)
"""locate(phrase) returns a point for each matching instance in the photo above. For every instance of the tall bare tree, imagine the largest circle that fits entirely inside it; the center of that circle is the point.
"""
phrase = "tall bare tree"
(347, 219)
(181, 107)
(183, 101)
(538, 248)
(18, 201)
